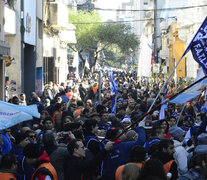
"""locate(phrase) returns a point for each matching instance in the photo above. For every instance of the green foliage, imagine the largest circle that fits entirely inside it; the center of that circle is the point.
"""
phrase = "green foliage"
(86, 34)
(118, 34)
(117, 39)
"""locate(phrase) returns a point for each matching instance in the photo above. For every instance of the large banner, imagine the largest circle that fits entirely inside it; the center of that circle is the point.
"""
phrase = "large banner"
(144, 65)
(198, 45)
(190, 93)
(11, 114)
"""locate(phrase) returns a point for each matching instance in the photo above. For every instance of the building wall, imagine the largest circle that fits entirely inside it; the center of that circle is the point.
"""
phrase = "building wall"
(39, 47)
(13, 72)
(55, 45)
(176, 49)
(2, 65)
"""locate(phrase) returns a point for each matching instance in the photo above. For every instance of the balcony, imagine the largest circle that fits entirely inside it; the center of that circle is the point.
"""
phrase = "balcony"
(56, 15)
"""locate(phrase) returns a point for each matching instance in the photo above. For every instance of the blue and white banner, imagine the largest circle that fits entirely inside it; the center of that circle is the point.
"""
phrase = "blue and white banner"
(198, 45)
(113, 84)
(190, 93)
(11, 114)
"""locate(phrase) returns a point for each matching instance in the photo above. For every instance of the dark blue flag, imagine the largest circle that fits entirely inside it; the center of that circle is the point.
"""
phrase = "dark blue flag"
(198, 45)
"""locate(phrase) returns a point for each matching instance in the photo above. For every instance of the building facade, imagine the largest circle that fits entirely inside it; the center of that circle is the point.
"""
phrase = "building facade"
(57, 34)
(4, 51)
(23, 32)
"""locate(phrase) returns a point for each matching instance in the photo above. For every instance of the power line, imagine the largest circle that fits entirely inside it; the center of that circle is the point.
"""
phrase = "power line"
(136, 10)
(151, 19)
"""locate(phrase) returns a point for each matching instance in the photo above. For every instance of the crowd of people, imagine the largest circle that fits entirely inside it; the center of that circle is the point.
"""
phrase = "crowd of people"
(79, 137)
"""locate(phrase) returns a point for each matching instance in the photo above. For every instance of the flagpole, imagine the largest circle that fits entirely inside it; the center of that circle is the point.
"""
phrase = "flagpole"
(181, 114)
(99, 88)
(166, 82)
(187, 49)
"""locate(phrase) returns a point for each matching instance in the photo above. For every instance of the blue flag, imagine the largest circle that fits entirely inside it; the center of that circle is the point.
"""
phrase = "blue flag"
(11, 114)
(113, 84)
(114, 91)
(198, 45)
(190, 93)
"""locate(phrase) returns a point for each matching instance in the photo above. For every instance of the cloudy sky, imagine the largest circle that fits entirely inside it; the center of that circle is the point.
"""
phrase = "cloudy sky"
(108, 4)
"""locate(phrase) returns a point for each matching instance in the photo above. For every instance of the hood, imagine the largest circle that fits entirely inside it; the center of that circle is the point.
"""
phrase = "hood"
(177, 143)
(44, 157)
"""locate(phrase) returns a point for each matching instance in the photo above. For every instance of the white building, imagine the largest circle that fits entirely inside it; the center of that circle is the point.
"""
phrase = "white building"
(57, 34)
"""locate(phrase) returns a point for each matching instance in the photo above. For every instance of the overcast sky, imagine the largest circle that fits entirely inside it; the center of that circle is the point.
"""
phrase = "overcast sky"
(108, 4)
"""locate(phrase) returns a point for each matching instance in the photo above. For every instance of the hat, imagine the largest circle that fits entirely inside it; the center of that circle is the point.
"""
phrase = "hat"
(131, 135)
(47, 100)
(33, 151)
(20, 137)
(148, 124)
(120, 99)
(176, 132)
(126, 119)
(156, 113)
(202, 139)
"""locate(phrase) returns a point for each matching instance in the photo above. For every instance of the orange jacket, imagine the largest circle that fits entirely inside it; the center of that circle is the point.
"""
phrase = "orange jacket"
(47, 166)
(95, 89)
(120, 169)
(7, 176)
(167, 166)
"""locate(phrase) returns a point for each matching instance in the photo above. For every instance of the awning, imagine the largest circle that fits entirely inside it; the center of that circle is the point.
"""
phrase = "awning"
(4, 48)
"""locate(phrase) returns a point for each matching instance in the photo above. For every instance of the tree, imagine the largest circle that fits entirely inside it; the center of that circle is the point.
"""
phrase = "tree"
(94, 36)
(86, 34)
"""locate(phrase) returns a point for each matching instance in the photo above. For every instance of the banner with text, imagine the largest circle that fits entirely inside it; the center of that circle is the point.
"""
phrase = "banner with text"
(11, 114)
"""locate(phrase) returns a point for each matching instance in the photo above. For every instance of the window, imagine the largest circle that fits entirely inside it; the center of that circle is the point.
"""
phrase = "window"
(40, 28)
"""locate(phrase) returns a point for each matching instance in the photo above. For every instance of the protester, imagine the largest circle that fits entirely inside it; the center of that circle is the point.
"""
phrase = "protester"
(73, 119)
(37, 157)
(76, 167)
(8, 167)
(137, 156)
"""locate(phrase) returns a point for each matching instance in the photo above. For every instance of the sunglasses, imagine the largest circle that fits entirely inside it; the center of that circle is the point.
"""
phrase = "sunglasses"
(32, 136)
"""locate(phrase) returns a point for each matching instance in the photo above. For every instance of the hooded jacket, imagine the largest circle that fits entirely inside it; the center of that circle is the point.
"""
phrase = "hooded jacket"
(119, 154)
(181, 158)
(44, 168)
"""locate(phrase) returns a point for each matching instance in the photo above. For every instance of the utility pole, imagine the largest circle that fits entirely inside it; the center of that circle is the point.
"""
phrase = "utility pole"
(155, 53)
(22, 30)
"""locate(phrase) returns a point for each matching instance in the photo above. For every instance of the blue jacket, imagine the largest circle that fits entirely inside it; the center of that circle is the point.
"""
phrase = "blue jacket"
(7, 145)
(119, 154)
(150, 142)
